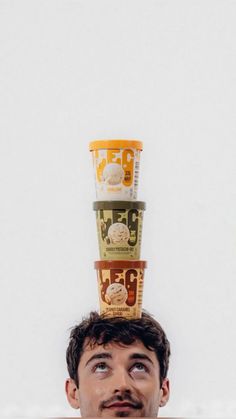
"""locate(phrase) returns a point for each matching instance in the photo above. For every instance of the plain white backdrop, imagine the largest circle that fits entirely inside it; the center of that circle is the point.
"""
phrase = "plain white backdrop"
(163, 72)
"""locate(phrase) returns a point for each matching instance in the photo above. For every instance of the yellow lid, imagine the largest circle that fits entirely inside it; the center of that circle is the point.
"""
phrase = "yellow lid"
(115, 144)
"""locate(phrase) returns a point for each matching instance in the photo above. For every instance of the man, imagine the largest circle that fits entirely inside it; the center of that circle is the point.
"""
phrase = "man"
(118, 367)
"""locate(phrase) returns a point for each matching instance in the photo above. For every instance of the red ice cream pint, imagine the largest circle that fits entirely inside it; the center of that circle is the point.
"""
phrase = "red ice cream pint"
(120, 287)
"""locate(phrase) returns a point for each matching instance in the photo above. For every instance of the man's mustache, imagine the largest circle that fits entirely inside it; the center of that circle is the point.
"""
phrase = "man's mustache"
(136, 404)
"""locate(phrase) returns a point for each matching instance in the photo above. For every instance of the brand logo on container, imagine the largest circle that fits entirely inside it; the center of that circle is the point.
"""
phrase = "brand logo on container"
(127, 217)
(128, 278)
(125, 158)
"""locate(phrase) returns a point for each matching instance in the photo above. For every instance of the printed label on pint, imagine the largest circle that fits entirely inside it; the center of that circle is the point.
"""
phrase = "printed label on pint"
(120, 292)
(119, 233)
(116, 173)
(115, 166)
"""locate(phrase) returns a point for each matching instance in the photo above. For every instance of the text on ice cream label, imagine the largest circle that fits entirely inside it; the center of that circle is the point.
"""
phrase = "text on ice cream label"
(119, 226)
(119, 286)
(114, 166)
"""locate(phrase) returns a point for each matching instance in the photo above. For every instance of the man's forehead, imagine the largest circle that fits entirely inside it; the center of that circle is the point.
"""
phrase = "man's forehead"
(90, 347)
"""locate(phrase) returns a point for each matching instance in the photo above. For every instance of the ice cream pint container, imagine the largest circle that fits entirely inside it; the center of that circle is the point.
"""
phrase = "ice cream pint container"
(119, 228)
(116, 168)
(120, 287)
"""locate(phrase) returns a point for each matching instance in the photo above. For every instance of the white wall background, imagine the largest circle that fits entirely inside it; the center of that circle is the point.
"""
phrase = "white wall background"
(163, 72)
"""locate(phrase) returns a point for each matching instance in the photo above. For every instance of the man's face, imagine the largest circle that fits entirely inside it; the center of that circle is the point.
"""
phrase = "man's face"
(118, 380)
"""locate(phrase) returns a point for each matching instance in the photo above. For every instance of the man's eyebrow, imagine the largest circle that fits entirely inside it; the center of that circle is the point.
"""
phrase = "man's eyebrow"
(102, 355)
(141, 356)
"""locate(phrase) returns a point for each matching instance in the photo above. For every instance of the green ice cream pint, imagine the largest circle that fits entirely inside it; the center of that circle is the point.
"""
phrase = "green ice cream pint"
(119, 228)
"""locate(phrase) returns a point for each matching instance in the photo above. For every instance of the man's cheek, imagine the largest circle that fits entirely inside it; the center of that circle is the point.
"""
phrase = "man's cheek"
(150, 392)
(100, 392)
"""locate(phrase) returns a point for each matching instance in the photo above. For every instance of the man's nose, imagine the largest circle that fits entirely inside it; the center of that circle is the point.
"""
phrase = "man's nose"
(122, 381)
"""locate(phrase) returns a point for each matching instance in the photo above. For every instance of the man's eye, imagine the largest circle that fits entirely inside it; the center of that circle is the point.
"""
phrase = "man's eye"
(101, 367)
(139, 367)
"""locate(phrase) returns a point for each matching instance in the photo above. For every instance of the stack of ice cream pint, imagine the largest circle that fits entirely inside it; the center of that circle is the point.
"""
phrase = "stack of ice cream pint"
(119, 216)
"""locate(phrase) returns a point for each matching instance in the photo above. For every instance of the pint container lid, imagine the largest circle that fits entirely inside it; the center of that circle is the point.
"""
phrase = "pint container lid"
(110, 205)
(115, 144)
(120, 264)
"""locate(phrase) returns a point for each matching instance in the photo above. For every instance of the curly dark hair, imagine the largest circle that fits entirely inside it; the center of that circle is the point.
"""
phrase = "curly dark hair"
(100, 330)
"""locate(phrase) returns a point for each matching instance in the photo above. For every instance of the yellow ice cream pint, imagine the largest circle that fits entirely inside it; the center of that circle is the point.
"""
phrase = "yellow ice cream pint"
(120, 287)
(116, 167)
(119, 229)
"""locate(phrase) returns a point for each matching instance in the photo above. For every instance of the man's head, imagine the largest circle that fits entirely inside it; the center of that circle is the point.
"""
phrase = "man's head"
(118, 367)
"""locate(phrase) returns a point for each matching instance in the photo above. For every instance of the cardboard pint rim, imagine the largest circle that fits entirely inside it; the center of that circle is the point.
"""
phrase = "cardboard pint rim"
(115, 144)
(120, 264)
(116, 205)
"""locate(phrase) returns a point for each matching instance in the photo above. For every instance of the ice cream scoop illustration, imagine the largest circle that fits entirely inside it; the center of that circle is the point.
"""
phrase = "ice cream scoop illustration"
(118, 233)
(116, 294)
(113, 174)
